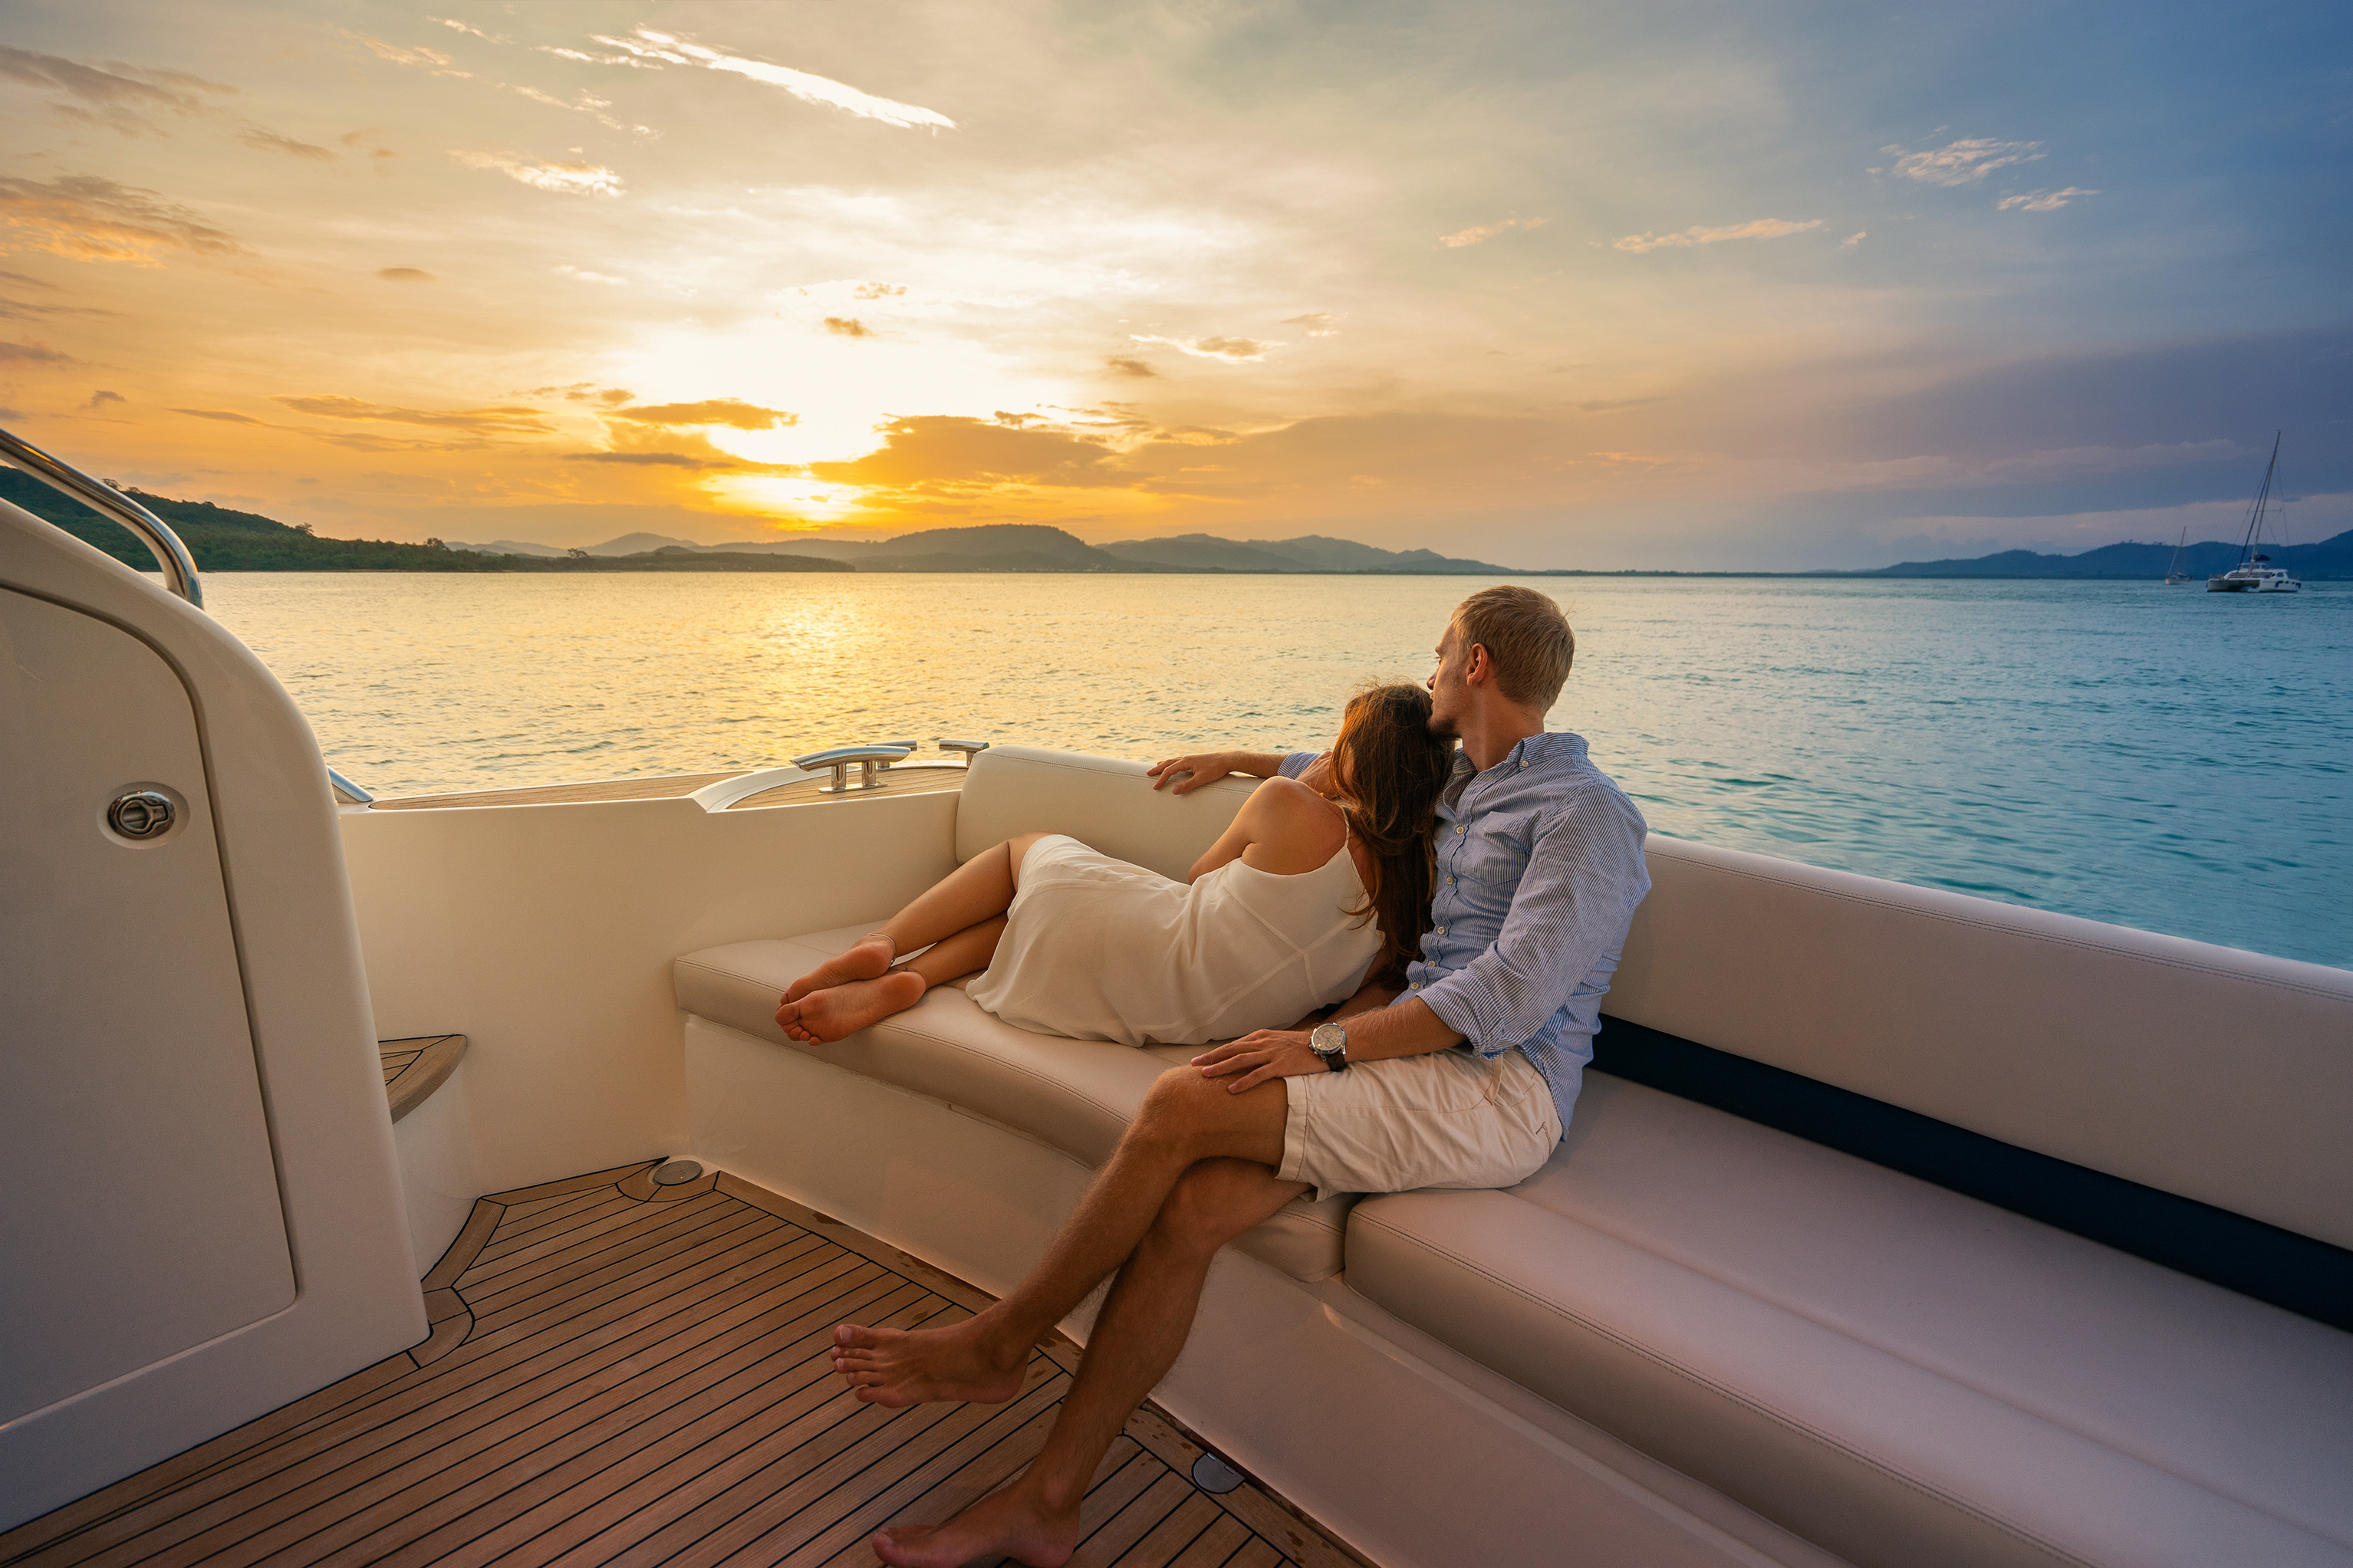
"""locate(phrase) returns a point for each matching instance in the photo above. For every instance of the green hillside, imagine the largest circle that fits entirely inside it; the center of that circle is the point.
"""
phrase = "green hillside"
(223, 539)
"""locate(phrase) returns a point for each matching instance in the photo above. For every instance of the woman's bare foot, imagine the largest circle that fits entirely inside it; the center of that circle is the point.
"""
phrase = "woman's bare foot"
(1002, 1524)
(837, 1011)
(898, 1367)
(869, 959)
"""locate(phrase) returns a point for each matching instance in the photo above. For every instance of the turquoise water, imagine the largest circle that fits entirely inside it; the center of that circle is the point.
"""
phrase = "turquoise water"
(2161, 758)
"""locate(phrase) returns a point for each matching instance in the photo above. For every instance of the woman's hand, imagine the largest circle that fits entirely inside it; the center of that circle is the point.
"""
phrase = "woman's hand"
(1257, 1058)
(1205, 768)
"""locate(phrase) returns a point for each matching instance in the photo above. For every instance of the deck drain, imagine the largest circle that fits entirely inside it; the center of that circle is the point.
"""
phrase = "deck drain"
(677, 1174)
(1212, 1474)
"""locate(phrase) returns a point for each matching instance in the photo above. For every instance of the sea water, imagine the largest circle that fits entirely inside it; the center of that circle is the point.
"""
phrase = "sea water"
(2156, 757)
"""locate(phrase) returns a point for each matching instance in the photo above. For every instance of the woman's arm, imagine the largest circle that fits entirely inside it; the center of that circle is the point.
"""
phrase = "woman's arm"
(1208, 767)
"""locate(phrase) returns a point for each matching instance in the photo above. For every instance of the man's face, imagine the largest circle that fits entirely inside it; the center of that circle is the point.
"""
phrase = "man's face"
(1448, 696)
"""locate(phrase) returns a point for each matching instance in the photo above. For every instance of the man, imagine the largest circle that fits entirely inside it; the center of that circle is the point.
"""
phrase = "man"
(1465, 1080)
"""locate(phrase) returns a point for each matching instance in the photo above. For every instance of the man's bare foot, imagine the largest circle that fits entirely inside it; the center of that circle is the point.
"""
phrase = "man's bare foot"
(837, 1011)
(898, 1367)
(868, 959)
(1002, 1524)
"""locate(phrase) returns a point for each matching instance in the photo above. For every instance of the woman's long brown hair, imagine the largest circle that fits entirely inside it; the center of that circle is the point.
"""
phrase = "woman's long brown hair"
(1388, 770)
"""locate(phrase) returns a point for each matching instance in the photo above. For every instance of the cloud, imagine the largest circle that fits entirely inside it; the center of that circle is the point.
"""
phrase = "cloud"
(572, 179)
(463, 27)
(1758, 229)
(405, 274)
(648, 44)
(433, 61)
(23, 281)
(848, 327)
(594, 108)
(223, 415)
(118, 93)
(2041, 201)
(878, 291)
(31, 353)
(1130, 366)
(1964, 162)
(102, 397)
(269, 141)
(1487, 231)
(656, 460)
(506, 420)
(597, 60)
(1318, 323)
(92, 219)
(1233, 350)
(585, 275)
(728, 411)
(944, 453)
(1857, 238)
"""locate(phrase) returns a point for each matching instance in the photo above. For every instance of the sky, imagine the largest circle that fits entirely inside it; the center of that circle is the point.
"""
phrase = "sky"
(1681, 285)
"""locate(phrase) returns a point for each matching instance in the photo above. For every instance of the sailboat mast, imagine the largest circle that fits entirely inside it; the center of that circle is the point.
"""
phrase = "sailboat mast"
(2262, 496)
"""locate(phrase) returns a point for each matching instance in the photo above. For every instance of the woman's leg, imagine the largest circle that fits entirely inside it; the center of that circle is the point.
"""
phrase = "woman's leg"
(860, 988)
(974, 893)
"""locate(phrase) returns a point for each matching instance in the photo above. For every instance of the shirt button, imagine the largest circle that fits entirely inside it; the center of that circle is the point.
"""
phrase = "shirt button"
(1450, 881)
(1524, 762)
(1438, 930)
(1459, 831)
(1417, 985)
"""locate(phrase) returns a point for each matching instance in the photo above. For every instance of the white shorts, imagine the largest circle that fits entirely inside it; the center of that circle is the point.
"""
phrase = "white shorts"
(1450, 1119)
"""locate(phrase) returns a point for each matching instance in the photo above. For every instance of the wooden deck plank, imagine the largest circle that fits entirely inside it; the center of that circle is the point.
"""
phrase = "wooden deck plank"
(626, 1425)
(442, 1392)
(394, 1504)
(1210, 1549)
(623, 1380)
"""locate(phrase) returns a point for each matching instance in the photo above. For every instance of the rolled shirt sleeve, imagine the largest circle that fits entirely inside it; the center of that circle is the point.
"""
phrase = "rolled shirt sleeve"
(1297, 763)
(1563, 932)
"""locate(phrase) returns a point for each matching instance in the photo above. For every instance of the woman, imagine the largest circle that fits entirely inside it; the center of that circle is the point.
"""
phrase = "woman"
(1302, 898)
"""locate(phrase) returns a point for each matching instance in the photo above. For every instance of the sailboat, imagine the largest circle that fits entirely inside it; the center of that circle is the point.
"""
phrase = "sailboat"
(2254, 573)
(2174, 575)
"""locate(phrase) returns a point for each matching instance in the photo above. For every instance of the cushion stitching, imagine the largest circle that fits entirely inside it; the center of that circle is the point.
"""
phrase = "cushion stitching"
(1790, 1422)
(1982, 924)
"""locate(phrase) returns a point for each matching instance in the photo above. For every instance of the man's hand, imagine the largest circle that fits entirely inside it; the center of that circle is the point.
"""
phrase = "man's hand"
(1191, 772)
(1257, 1058)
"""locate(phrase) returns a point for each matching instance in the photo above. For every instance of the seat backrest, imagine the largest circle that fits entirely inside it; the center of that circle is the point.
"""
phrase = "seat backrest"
(1104, 803)
(2221, 1076)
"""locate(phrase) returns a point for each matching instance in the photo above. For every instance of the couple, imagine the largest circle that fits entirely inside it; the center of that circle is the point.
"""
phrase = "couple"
(1466, 908)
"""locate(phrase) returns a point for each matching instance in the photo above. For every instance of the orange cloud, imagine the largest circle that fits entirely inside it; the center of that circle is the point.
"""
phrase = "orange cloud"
(92, 219)
(727, 411)
(933, 452)
(512, 421)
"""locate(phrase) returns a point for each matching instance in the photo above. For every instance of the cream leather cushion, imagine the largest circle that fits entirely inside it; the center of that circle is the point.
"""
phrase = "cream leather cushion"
(2219, 1075)
(1077, 1096)
(1902, 1374)
(1104, 803)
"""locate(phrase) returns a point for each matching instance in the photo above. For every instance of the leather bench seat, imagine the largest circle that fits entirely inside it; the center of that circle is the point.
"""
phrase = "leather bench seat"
(1076, 1096)
(1902, 1374)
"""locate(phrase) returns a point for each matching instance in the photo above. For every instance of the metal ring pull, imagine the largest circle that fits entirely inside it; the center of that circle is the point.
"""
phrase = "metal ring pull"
(141, 813)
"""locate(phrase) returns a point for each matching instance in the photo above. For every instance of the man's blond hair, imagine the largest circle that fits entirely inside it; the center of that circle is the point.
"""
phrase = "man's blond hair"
(1526, 638)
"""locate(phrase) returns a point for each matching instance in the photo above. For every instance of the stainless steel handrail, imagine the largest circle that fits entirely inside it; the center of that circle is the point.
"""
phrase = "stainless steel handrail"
(179, 566)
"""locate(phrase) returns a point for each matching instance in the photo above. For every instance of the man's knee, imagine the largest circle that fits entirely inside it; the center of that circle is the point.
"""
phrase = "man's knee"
(1214, 1202)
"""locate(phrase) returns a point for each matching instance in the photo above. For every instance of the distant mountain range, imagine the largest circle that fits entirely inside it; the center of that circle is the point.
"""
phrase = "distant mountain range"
(223, 539)
(1035, 547)
(2331, 558)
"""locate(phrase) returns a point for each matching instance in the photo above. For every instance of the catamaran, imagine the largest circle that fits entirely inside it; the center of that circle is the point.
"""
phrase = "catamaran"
(2254, 573)
(427, 1181)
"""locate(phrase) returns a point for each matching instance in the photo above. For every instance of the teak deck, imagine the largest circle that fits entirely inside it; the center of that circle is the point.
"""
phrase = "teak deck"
(906, 779)
(621, 1372)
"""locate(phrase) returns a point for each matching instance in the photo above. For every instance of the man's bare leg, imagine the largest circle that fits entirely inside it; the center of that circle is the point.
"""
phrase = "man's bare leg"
(1185, 1119)
(972, 894)
(831, 1013)
(1137, 1336)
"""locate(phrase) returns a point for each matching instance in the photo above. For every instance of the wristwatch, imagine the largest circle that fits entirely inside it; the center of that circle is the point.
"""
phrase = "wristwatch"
(1330, 1044)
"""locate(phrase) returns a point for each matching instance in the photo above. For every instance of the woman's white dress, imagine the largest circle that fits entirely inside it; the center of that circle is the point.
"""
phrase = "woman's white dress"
(1096, 949)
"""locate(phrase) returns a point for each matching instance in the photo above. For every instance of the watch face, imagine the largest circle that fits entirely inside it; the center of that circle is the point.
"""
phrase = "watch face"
(1327, 1038)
